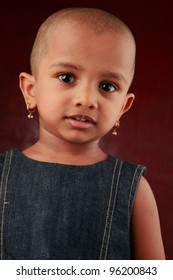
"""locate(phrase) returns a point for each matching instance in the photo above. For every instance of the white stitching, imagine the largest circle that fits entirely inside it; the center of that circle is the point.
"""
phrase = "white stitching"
(108, 214)
(113, 208)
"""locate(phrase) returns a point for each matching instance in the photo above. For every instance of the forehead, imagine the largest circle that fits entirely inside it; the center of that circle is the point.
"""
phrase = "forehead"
(81, 35)
(80, 43)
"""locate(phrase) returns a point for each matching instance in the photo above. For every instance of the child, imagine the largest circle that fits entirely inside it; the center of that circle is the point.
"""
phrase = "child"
(63, 197)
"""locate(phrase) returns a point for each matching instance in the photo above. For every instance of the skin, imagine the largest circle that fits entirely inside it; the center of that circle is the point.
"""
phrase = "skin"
(88, 74)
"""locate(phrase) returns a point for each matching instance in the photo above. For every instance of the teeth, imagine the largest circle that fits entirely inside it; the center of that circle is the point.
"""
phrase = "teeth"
(78, 118)
(82, 119)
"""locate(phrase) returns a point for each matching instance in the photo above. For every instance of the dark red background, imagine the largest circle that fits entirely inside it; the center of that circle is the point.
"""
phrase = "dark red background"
(145, 135)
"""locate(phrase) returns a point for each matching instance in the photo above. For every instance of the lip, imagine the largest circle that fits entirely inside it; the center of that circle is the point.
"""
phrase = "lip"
(76, 122)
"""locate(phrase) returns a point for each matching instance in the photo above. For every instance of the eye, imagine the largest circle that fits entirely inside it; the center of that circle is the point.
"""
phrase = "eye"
(67, 78)
(108, 87)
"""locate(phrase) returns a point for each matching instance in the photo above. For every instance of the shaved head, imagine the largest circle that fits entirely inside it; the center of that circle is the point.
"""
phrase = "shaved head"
(99, 20)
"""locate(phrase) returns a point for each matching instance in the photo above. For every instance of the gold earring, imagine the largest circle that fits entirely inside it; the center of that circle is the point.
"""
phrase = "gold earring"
(30, 111)
(116, 126)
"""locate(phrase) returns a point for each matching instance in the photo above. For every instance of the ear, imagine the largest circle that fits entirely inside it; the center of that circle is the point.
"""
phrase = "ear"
(127, 103)
(27, 86)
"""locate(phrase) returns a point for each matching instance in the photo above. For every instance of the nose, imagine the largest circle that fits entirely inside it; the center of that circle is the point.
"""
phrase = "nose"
(86, 98)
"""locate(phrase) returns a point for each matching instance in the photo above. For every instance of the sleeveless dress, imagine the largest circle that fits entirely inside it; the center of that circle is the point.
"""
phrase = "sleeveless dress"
(66, 212)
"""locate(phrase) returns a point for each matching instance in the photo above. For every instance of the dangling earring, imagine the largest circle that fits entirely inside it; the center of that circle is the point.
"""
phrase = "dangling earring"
(30, 111)
(117, 124)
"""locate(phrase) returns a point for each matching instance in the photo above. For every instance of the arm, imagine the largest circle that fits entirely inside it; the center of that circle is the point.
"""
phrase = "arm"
(145, 225)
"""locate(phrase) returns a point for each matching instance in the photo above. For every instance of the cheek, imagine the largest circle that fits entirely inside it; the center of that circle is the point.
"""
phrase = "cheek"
(111, 112)
(45, 98)
(114, 107)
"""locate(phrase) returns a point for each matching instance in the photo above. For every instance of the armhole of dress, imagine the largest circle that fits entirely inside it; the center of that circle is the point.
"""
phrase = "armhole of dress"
(3, 190)
(140, 170)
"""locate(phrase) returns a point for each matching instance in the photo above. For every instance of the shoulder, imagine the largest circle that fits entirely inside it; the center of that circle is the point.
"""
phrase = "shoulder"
(129, 170)
(5, 155)
(133, 170)
(146, 232)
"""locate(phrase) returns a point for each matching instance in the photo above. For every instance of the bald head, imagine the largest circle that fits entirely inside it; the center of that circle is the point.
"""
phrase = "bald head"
(100, 21)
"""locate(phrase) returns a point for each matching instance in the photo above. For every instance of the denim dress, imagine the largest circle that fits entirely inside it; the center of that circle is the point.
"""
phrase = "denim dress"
(66, 212)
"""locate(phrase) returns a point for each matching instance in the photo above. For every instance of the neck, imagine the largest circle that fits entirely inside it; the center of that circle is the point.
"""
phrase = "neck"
(60, 151)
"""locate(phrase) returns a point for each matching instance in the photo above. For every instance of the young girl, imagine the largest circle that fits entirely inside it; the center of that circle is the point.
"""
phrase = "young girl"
(63, 197)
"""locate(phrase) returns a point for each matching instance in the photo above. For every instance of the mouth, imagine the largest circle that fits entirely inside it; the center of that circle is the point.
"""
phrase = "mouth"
(82, 118)
(80, 121)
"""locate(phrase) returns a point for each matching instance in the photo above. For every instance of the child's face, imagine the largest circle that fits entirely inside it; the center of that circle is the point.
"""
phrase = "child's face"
(81, 87)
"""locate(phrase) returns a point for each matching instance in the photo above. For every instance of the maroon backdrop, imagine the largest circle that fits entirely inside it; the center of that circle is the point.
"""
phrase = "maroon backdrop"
(145, 135)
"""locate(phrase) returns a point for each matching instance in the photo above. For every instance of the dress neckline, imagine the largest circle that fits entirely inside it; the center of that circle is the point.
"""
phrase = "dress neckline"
(26, 158)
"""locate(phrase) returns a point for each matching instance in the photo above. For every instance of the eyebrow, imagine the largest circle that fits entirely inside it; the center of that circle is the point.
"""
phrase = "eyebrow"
(117, 76)
(66, 64)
